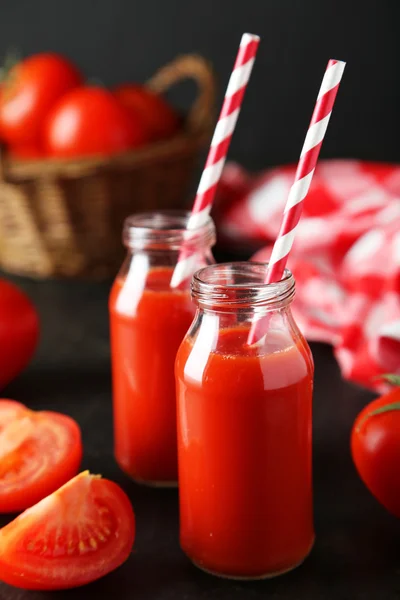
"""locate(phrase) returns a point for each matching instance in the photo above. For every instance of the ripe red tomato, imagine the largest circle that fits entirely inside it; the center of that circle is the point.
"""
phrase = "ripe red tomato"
(39, 452)
(78, 534)
(29, 92)
(1, 100)
(158, 116)
(26, 152)
(375, 446)
(19, 331)
(90, 121)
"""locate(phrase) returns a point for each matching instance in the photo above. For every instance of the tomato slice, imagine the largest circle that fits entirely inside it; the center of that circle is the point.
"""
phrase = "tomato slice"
(39, 452)
(9, 411)
(76, 535)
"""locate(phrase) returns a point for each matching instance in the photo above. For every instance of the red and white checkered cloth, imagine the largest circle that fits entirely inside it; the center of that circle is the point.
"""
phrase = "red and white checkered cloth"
(346, 256)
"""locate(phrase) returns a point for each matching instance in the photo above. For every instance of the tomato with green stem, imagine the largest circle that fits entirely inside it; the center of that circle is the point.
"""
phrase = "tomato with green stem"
(76, 535)
(39, 452)
(375, 447)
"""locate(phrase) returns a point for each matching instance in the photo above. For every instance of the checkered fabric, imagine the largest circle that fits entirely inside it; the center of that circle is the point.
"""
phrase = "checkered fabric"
(346, 256)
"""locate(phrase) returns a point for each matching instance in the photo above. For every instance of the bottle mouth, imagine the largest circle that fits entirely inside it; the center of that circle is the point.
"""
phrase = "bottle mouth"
(166, 229)
(241, 285)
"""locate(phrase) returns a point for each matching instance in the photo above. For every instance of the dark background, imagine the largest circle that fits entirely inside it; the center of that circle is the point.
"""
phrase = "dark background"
(357, 551)
(129, 39)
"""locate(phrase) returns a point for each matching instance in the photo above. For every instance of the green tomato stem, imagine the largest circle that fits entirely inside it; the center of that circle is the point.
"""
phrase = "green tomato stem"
(384, 409)
(390, 378)
(11, 59)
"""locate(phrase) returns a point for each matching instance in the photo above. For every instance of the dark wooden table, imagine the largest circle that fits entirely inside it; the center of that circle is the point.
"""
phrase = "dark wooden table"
(357, 550)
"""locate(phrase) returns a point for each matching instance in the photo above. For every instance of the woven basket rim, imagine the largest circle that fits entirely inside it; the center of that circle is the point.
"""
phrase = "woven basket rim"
(180, 145)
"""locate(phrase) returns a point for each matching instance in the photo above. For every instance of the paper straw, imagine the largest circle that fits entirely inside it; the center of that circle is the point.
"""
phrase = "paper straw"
(304, 174)
(219, 148)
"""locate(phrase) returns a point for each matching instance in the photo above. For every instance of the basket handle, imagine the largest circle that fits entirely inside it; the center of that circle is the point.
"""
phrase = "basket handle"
(190, 66)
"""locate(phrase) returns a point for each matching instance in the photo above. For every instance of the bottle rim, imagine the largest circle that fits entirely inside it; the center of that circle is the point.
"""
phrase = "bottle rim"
(241, 285)
(166, 229)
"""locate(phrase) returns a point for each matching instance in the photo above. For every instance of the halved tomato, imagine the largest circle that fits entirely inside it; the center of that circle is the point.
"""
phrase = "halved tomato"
(39, 452)
(78, 534)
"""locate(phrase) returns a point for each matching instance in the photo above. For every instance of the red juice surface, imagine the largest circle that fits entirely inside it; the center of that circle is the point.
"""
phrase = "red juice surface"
(145, 336)
(244, 439)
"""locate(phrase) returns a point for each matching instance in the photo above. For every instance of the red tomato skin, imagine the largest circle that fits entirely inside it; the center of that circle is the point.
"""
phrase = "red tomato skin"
(26, 152)
(66, 469)
(1, 100)
(157, 115)
(32, 88)
(19, 331)
(89, 121)
(375, 447)
(12, 573)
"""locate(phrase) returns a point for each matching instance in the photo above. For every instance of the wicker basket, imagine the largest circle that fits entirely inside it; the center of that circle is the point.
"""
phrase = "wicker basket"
(64, 218)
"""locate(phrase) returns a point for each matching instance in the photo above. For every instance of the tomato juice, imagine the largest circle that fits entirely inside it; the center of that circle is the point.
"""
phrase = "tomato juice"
(244, 440)
(146, 331)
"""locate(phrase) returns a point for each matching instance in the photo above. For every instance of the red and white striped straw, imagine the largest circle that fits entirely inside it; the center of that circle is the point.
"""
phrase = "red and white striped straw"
(304, 174)
(219, 147)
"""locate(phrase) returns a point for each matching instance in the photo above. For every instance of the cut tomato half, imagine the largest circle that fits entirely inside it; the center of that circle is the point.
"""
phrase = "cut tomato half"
(9, 411)
(39, 452)
(76, 535)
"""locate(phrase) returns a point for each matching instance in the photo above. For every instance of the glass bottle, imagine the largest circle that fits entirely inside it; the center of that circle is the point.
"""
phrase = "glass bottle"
(148, 320)
(244, 427)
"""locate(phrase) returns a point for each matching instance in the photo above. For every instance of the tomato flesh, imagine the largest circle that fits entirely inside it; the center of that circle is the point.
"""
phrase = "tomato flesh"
(76, 535)
(9, 411)
(39, 452)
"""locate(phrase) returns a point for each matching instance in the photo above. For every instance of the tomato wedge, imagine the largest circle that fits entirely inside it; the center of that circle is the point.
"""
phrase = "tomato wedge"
(78, 534)
(39, 452)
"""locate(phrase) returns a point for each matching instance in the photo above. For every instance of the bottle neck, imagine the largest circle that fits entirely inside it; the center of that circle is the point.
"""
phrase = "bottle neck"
(241, 288)
(166, 232)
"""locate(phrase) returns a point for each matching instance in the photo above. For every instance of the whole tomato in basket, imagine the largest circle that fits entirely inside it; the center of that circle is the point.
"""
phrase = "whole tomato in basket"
(29, 91)
(90, 121)
(375, 446)
(158, 116)
(26, 152)
(19, 331)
